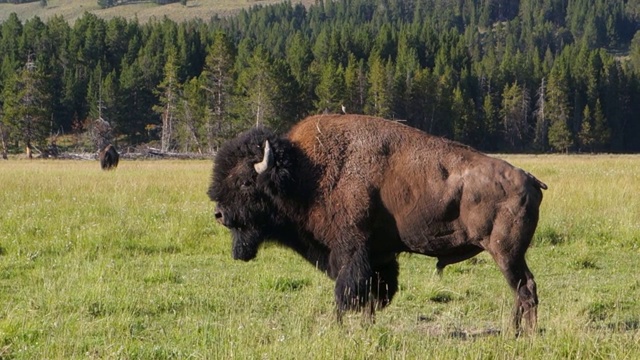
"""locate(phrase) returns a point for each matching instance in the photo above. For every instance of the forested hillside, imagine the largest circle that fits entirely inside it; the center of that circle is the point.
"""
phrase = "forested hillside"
(501, 75)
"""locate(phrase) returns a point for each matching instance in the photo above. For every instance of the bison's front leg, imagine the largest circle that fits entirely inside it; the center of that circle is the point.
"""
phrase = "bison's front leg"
(353, 281)
(384, 283)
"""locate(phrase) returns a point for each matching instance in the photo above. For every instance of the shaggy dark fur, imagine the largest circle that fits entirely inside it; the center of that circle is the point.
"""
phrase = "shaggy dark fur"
(350, 192)
(109, 158)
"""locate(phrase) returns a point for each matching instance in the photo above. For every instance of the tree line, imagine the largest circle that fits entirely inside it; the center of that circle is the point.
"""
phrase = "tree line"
(500, 75)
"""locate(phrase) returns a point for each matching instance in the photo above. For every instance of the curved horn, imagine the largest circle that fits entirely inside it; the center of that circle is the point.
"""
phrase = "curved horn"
(267, 160)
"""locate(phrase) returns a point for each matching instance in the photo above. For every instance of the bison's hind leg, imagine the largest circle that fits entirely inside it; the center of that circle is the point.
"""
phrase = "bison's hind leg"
(527, 302)
(521, 281)
(509, 254)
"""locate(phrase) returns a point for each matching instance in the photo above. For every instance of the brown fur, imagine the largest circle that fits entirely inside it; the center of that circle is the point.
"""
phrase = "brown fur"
(373, 188)
(109, 158)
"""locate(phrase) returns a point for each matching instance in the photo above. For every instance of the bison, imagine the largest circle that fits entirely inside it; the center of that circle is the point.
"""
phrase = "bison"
(109, 157)
(351, 192)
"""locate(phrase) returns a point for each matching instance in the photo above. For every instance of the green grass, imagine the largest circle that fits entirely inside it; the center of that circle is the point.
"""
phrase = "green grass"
(74, 9)
(129, 264)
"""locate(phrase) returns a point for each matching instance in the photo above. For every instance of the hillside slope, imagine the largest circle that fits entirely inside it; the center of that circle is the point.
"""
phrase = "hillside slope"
(73, 9)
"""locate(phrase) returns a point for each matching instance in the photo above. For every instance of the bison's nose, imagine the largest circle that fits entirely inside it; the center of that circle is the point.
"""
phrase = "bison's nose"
(219, 216)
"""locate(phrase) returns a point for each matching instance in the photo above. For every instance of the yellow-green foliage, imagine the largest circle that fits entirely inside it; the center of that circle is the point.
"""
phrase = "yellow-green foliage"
(130, 264)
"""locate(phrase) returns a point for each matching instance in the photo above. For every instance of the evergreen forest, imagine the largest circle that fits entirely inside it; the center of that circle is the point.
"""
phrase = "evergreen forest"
(499, 75)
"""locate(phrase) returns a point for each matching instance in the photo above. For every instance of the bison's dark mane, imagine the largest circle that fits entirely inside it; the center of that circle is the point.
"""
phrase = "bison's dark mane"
(249, 145)
(282, 196)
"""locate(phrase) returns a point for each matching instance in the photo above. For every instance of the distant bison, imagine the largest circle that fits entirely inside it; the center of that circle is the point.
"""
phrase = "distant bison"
(109, 157)
(351, 192)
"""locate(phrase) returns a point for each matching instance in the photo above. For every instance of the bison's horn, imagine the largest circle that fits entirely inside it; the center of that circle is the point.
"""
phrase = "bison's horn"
(267, 160)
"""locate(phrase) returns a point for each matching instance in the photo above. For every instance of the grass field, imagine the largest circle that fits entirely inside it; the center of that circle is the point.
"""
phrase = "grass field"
(73, 9)
(130, 265)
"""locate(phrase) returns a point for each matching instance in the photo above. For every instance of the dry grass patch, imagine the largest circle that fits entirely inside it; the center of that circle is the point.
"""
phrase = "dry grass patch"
(74, 9)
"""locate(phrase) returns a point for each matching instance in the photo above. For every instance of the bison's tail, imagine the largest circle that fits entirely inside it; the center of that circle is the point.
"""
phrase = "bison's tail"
(538, 183)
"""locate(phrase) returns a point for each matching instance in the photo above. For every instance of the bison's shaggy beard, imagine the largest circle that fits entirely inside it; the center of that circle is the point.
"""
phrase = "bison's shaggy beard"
(246, 243)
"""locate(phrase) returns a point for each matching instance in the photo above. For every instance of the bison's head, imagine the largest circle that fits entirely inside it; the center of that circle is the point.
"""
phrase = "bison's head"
(249, 176)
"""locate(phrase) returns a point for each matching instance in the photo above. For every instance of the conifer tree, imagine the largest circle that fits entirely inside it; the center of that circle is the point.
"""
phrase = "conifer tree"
(355, 78)
(601, 130)
(558, 112)
(464, 119)
(218, 81)
(330, 91)
(169, 96)
(514, 116)
(259, 88)
(133, 107)
(379, 100)
(491, 123)
(3, 136)
(586, 137)
(540, 139)
(420, 106)
(191, 132)
(26, 106)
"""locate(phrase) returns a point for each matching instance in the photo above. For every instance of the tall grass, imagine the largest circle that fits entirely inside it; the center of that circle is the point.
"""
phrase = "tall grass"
(129, 264)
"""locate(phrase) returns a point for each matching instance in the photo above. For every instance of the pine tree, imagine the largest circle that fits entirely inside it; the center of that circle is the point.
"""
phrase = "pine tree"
(330, 91)
(465, 124)
(420, 105)
(355, 79)
(379, 99)
(218, 81)
(191, 132)
(540, 140)
(491, 123)
(441, 110)
(132, 117)
(558, 112)
(601, 129)
(259, 87)
(169, 96)
(586, 138)
(10, 34)
(26, 107)
(3, 136)
(514, 116)
(299, 57)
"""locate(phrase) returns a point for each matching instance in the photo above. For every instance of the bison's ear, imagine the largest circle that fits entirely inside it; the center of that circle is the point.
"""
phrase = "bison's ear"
(267, 159)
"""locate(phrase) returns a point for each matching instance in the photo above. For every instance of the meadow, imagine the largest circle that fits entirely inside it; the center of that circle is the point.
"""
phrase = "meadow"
(142, 11)
(129, 264)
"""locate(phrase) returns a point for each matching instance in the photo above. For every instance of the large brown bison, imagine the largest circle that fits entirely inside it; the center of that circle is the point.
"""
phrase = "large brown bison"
(350, 192)
(109, 157)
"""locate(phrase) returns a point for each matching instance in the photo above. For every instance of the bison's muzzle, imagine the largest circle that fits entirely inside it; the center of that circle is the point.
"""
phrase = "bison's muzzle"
(219, 215)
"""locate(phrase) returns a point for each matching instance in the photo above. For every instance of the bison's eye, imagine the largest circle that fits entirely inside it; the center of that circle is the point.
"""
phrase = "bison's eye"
(246, 183)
